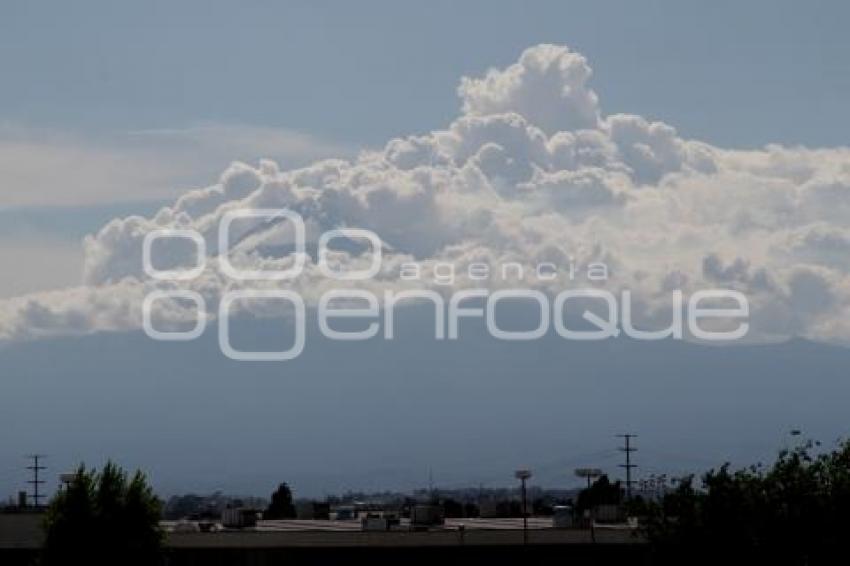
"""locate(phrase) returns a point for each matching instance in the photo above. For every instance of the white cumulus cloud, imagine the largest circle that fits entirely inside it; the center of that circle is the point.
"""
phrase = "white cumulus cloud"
(531, 171)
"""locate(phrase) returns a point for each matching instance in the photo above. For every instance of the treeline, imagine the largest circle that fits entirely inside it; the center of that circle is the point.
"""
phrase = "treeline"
(795, 511)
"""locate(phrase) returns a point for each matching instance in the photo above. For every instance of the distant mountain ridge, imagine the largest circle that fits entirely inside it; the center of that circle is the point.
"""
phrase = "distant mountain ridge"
(379, 414)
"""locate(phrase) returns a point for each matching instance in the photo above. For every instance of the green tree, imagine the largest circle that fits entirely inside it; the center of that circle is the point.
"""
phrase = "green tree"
(104, 518)
(601, 492)
(452, 509)
(796, 511)
(281, 506)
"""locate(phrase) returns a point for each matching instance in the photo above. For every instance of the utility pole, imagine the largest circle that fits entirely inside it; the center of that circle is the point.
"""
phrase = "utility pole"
(35, 482)
(628, 449)
(522, 476)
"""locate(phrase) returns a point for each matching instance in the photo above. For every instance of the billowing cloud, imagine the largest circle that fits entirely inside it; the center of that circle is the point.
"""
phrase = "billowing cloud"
(548, 86)
(530, 172)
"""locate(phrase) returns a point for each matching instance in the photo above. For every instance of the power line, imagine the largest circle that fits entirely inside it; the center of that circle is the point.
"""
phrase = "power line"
(35, 482)
(628, 449)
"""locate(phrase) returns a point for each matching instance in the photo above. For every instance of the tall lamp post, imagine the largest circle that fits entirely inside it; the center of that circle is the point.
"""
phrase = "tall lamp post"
(589, 473)
(523, 475)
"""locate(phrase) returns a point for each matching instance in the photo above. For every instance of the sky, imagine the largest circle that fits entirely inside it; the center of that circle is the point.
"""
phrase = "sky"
(362, 73)
(172, 92)
(685, 144)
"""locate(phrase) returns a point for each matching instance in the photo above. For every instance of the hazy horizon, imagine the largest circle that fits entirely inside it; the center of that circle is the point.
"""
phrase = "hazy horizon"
(683, 147)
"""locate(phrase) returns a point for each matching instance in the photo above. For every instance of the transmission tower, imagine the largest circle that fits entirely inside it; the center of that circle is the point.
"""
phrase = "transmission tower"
(35, 482)
(627, 448)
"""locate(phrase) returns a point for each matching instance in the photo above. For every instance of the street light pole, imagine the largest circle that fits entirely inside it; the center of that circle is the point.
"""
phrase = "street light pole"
(523, 475)
(589, 473)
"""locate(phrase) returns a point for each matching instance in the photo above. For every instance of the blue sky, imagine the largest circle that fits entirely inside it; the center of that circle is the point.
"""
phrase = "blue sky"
(731, 73)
